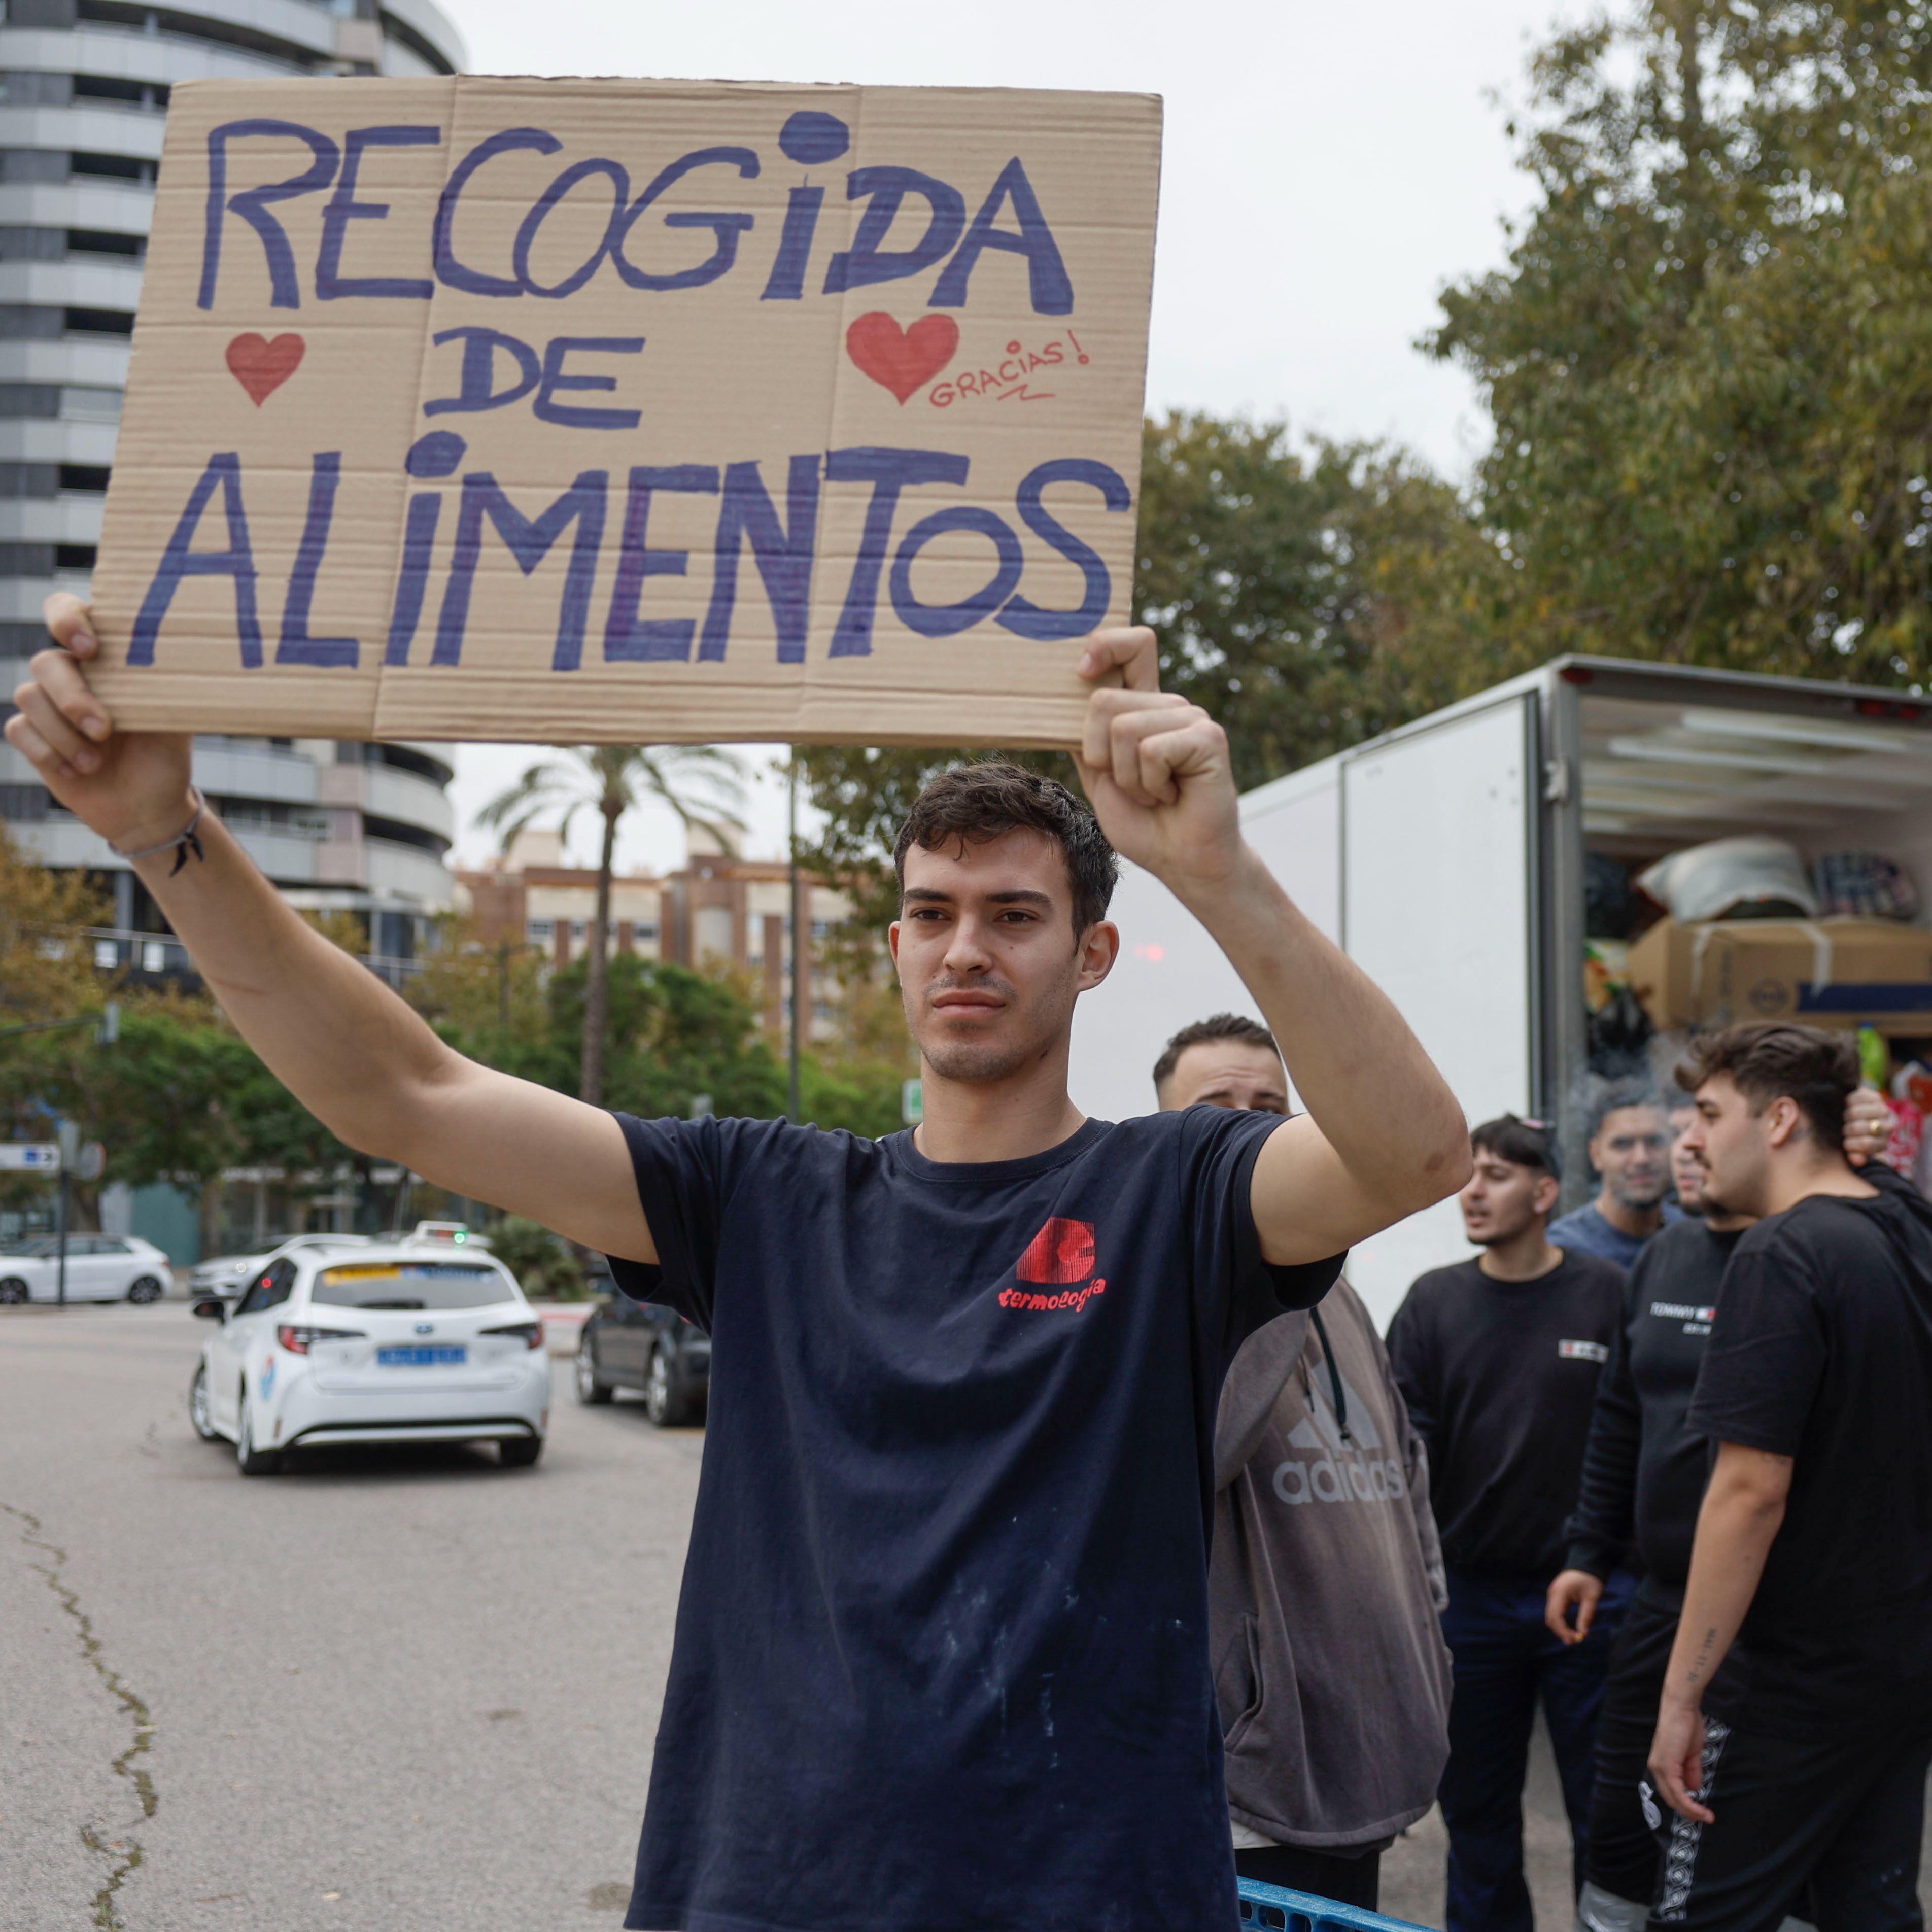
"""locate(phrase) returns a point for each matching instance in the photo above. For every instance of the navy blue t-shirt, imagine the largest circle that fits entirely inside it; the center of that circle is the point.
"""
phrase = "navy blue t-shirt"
(941, 1658)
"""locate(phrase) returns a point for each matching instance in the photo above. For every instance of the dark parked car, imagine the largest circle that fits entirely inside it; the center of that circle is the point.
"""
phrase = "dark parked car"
(642, 1345)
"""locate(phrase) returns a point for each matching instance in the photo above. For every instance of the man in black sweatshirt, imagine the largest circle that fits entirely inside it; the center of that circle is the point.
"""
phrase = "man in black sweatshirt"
(1497, 1359)
(1643, 1478)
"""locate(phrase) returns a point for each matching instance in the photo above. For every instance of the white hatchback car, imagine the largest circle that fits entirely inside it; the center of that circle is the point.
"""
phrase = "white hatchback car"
(100, 1267)
(395, 1342)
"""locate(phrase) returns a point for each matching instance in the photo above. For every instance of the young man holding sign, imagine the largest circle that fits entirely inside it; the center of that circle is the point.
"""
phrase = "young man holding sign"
(941, 1657)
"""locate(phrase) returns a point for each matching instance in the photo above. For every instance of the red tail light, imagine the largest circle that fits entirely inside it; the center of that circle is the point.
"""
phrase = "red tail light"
(531, 1333)
(297, 1341)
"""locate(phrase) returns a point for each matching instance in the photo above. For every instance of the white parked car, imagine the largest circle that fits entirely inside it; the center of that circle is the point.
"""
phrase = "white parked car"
(229, 1274)
(375, 1341)
(100, 1267)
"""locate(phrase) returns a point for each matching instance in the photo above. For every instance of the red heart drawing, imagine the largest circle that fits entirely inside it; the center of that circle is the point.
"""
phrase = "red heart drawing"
(262, 367)
(902, 359)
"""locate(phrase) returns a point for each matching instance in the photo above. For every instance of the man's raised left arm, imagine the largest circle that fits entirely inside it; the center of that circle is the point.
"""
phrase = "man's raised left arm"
(1383, 1136)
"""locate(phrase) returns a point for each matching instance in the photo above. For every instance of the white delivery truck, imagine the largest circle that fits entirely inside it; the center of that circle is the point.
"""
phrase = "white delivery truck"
(1448, 859)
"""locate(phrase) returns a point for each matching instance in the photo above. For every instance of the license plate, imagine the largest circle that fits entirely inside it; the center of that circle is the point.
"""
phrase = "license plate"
(419, 1358)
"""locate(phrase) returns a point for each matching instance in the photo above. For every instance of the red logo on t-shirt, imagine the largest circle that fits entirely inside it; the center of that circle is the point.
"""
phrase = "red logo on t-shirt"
(1062, 1251)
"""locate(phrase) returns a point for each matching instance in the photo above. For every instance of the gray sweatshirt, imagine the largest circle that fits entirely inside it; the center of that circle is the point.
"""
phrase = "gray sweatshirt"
(1326, 1589)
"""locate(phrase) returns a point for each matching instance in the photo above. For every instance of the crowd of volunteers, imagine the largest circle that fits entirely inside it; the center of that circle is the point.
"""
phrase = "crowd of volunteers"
(1766, 1769)
(1068, 1541)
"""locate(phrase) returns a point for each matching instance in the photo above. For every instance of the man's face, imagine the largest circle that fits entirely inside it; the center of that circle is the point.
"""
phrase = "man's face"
(988, 961)
(1734, 1146)
(1631, 1151)
(1502, 1200)
(1686, 1169)
(1234, 1073)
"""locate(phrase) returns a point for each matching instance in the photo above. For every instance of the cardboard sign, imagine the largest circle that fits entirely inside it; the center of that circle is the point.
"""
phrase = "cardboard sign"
(630, 411)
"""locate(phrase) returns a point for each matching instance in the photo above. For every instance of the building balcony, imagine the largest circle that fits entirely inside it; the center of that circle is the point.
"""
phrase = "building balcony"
(82, 361)
(386, 791)
(294, 32)
(407, 874)
(73, 517)
(122, 207)
(388, 870)
(247, 768)
(73, 282)
(426, 20)
(92, 129)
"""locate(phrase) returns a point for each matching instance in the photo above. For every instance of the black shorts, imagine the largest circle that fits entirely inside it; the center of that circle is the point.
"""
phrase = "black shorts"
(1842, 1814)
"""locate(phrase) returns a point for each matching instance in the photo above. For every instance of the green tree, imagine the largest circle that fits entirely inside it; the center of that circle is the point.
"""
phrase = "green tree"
(46, 972)
(702, 784)
(47, 967)
(541, 1261)
(1307, 598)
(1709, 356)
(490, 999)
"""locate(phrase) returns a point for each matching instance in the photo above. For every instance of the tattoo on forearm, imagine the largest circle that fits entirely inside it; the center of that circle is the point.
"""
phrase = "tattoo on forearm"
(1700, 1663)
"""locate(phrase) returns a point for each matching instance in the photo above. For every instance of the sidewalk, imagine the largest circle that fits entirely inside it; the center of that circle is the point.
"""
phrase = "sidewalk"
(563, 1324)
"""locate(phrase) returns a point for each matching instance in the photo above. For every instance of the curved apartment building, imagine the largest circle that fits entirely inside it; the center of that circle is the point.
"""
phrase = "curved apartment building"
(84, 89)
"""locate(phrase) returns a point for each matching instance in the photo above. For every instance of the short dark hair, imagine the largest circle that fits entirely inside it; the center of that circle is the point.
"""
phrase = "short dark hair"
(1771, 1059)
(1614, 1098)
(977, 803)
(1522, 1143)
(1217, 1026)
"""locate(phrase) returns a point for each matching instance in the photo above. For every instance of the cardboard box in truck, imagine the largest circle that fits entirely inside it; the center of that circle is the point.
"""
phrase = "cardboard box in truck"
(1821, 972)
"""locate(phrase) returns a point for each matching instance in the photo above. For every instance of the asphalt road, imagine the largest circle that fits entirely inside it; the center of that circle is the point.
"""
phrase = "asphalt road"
(396, 1690)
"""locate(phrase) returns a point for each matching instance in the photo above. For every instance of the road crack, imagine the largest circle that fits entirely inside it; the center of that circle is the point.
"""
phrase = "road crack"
(125, 1852)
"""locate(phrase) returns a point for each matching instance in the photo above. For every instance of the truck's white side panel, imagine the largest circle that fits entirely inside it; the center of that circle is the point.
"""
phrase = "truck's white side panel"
(1170, 972)
(1416, 855)
(1436, 900)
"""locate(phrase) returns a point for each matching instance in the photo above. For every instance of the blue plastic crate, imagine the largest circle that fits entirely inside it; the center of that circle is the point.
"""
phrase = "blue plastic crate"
(1271, 1908)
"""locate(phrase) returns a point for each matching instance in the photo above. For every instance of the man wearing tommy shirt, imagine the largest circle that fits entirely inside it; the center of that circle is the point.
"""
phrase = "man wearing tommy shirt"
(1497, 1360)
(941, 1655)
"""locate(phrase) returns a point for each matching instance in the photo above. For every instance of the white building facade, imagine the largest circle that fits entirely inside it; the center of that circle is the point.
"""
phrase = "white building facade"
(84, 90)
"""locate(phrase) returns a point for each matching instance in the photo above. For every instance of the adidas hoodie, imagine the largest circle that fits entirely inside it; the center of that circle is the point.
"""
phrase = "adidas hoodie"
(1325, 1588)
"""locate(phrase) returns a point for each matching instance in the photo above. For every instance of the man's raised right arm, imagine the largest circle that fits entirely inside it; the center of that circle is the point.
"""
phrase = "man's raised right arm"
(355, 1055)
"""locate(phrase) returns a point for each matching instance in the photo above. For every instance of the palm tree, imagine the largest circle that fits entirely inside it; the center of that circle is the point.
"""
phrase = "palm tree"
(703, 785)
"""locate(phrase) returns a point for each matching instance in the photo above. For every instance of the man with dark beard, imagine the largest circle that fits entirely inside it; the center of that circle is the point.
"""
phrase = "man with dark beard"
(1628, 1147)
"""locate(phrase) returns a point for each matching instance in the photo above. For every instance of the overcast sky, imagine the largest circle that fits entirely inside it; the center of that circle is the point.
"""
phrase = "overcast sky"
(1326, 170)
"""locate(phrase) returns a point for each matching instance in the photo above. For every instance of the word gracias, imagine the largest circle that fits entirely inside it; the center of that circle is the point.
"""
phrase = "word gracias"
(808, 138)
(783, 548)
